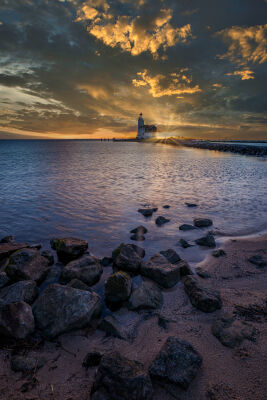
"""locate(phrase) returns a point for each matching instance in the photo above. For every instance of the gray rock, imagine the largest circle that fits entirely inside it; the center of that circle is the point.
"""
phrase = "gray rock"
(77, 284)
(207, 241)
(87, 269)
(49, 256)
(171, 256)
(26, 363)
(147, 212)
(20, 291)
(69, 249)
(161, 271)
(4, 279)
(16, 320)
(191, 205)
(201, 296)
(161, 220)
(119, 378)
(146, 296)
(184, 243)
(118, 287)
(231, 332)
(218, 253)
(27, 264)
(8, 248)
(141, 230)
(8, 239)
(202, 222)
(112, 327)
(92, 359)
(177, 363)
(186, 227)
(258, 260)
(60, 309)
(128, 257)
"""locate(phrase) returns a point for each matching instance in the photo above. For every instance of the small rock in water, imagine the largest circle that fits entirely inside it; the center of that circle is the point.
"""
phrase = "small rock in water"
(47, 254)
(141, 230)
(258, 260)
(119, 378)
(218, 253)
(146, 296)
(92, 359)
(161, 220)
(186, 227)
(202, 222)
(147, 212)
(166, 206)
(137, 237)
(26, 363)
(191, 204)
(171, 256)
(184, 243)
(177, 363)
(118, 287)
(231, 332)
(202, 297)
(207, 241)
(69, 249)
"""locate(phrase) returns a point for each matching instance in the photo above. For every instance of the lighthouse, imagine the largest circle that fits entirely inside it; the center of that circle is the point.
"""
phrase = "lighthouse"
(145, 131)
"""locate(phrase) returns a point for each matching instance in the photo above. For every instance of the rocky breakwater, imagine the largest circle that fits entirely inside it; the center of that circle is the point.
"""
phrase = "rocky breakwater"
(235, 147)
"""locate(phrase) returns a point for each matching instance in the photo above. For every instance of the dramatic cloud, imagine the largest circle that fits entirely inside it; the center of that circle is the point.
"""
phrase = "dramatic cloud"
(244, 74)
(159, 85)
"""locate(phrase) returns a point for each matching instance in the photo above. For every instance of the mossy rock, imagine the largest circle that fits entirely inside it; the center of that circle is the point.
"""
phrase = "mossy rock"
(118, 287)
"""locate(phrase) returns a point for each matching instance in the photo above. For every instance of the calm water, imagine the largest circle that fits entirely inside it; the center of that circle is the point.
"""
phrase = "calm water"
(93, 190)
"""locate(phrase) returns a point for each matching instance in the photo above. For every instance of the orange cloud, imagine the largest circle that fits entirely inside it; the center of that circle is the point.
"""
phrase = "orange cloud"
(159, 85)
(244, 74)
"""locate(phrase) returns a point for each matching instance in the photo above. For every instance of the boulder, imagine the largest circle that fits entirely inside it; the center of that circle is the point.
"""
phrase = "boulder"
(207, 241)
(60, 309)
(141, 230)
(49, 256)
(92, 359)
(160, 270)
(119, 378)
(218, 253)
(69, 249)
(186, 227)
(146, 296)
(27, 264)
(202, 222)
(202, 297)
(231, 332)
(112, 327)
(16, 320)
(147, 212)
(4, 279)
(128, 257)
(177, 363)
(161, 220)
(26, 363)
(87, 269)
(77, 284)
(258, 260)
(8, 248)
(20, 291)
(171, 256)
(118, 287)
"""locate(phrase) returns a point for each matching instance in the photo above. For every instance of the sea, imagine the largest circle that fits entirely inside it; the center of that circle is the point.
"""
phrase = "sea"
(93, 190)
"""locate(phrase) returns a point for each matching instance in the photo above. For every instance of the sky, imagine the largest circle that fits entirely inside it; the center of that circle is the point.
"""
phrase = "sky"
(86, 69)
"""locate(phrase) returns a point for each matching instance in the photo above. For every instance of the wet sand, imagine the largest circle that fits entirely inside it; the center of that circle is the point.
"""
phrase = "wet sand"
(226, 374)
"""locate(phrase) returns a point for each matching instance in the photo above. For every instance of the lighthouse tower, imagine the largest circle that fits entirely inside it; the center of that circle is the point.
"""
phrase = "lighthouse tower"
(141, 127)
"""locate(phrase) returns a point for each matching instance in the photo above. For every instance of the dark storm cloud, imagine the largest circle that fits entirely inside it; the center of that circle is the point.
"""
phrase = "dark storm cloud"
(82, 68)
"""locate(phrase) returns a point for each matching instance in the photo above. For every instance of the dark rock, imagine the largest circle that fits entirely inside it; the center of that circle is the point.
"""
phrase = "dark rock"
(141, 230)
(8, 239)
(77, 284)
(112, 327)
(218, 253)
(3, 279)
(207, 241)
(6, 249)
(16, 320)
(161, 220)
(118, 287)
(106, 261)
(166, 206)
(118, 378)
(184, 243)
(49, 256)
(69, 249)
(52, 276)
(87, 269)
(27, 264)
(163, 322)
(36, 246)
(137, 237)
(202, 273)
(26, 363)
(191, 204)
(60, 309)
(20, 291)
(186, 227)
(92, 359)
(147, 212)
(201, 296)
(258, 260)
(171, 256)
(202, 222)
(161, 271)
(185, 268)
(177, 363)
(231, 332)
(128, 257)
(146, 296)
